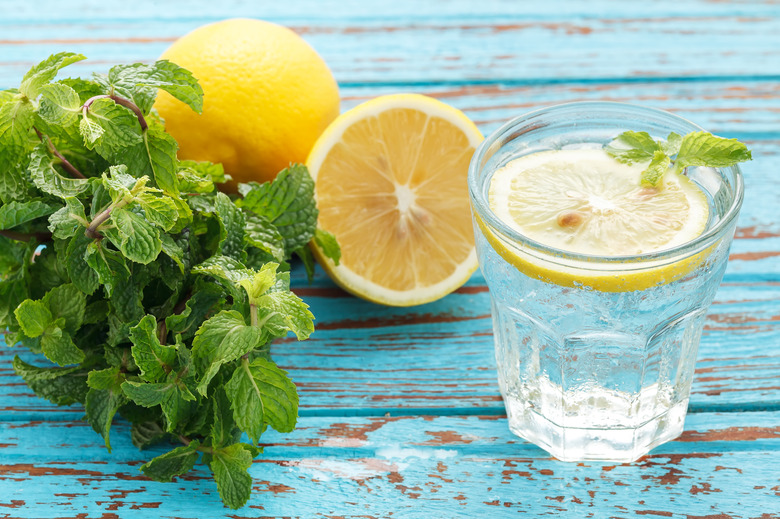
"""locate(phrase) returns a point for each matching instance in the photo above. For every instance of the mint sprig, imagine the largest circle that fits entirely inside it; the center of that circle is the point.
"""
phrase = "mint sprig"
(155, 297)
(677, 152)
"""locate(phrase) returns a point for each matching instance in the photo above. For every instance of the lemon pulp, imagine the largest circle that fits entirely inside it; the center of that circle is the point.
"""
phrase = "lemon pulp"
(585, 202)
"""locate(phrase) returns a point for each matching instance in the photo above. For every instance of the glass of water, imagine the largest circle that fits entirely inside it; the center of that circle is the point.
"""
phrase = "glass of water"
(596, 354)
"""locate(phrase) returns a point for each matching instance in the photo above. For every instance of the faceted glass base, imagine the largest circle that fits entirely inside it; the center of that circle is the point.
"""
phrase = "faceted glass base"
(568, 442)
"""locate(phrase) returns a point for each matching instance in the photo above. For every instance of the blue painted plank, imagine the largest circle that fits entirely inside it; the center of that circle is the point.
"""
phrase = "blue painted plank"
(409, 466)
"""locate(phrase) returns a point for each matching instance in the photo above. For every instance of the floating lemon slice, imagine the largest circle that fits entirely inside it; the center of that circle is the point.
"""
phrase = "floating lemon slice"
(391, 185)
(585, 202)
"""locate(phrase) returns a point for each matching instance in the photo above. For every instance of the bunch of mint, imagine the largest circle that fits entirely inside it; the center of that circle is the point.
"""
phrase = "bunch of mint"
(155, 295)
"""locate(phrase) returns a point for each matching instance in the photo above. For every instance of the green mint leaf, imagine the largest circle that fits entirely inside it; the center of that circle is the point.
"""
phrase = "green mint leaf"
(45, 71)
(287, 202)
(13, 186)
(173, 396)
(49, 180)
(228, 271)
(139, 240)
(17, 213)
(653, 175)
(200, 177)
(68, 303)
(173, 251)
(307, 258)
(103, 400)
(260, 282)
(223, 428)
(230, 466)
(120, 184)
(81, 273)
(672, 144)
(109, 265)
(61, 386)
(221, 339)
(171, 464)
(126, 299)
(159, 210)
(60, 105)
(328, 245)
(153, 359)
(631, 147)
(57, 345)
(288, 308)
(119, 128)
(145, 434)
(68, 220)
(231, 225)
(16, 120)
(260, 393)
(159, 153)
(260, 233)
(140, 82)
(34, 317)
(705, 149)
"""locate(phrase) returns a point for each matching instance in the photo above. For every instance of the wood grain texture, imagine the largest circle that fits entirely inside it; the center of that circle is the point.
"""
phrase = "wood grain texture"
(416, 467)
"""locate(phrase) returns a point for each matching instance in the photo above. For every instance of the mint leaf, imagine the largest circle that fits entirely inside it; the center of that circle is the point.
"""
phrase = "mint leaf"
(260, 393)
(197, 308)
(140, 82)
(17, 213)
(81, 272)
(68, 303)
(230, 465)
(672, 144)
(119, 128)
(16, 120)
(260, 233)
(61, 386)
(287, 202)
(103, 400)
(231, 225)
(173, 463)
(144, 434)
(49, 180)
(328, 245)
(153, 359)
(60, 105)
(288, 308)
(172, 396)
(158, 154)
(658, 167)
(13, 185)
(223, 427)
(221, 339)
(631, 147)
(45, 71)
(139, 241)
(67, 221)
(57, 345)
(34, 317)
(159, 210)
(260, 282)
(705, 149)
(109, 265)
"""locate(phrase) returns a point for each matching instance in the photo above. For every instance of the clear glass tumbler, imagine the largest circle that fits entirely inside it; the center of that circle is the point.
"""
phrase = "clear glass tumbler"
(596, 354)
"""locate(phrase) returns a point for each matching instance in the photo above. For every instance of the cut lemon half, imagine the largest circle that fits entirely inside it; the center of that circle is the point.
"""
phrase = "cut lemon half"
(391, 185)
(585, 202)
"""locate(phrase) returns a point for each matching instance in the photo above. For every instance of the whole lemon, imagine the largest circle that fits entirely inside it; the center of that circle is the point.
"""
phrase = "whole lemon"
(268, 95)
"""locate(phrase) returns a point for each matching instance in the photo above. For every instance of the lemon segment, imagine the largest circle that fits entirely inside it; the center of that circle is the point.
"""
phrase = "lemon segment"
(391, 185)
(584, 202)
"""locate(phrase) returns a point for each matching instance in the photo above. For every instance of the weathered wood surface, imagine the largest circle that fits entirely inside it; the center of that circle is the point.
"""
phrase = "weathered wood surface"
(401, 415)
(409, 467)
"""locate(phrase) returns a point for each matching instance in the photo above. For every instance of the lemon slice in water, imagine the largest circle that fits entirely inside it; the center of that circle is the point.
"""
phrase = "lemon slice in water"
(585, 202)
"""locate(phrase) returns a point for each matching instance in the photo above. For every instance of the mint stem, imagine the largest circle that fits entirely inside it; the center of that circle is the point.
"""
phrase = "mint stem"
(92, 231)
(67, 166)
(120, 101)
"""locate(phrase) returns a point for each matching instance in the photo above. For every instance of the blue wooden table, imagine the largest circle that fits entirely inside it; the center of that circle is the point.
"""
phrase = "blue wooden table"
(400, 411)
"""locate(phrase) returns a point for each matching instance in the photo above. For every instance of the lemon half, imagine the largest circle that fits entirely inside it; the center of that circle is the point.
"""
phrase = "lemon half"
(391, 185)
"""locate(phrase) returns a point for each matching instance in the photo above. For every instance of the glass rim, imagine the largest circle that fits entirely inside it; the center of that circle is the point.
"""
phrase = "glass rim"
(481, 207)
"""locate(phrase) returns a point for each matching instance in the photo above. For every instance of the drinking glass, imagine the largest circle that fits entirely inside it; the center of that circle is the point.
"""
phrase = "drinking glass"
(595, 354)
